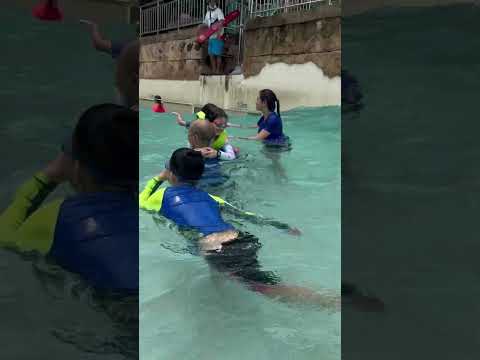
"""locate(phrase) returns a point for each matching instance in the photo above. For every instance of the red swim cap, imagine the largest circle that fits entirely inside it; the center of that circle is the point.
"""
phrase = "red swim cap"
(47, 11)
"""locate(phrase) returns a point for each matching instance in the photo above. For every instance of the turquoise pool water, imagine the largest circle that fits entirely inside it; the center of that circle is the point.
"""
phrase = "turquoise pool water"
(184, 312)
(50, 74)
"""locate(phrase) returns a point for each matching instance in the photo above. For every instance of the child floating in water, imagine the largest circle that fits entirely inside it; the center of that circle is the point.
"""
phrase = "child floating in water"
(225, 248)
(221, 148)
(158, 106)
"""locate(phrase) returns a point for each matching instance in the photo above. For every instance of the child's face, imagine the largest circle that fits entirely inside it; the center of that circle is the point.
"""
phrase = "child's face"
(220, 125)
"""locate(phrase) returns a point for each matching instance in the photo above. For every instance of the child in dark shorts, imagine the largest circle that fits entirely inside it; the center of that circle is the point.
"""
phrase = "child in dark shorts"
(226, 249)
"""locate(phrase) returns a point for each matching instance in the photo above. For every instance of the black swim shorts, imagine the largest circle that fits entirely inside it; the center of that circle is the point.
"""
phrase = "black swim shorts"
(238, 259)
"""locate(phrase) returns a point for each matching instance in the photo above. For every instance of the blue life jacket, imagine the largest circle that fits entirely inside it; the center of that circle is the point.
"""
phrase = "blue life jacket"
(193, 208)
(96, 236)
(212, 175)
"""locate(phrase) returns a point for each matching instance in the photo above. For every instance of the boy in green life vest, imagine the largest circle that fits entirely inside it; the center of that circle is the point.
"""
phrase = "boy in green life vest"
(220, 147)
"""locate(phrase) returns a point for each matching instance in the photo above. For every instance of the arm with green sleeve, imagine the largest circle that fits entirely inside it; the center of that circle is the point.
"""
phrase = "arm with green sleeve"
(26, 225)
(151, 197)
(253, 218)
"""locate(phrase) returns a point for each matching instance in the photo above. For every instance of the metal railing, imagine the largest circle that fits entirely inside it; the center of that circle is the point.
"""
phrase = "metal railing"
(167, 15)
(159, 16)
(261, 8)
(164, 15)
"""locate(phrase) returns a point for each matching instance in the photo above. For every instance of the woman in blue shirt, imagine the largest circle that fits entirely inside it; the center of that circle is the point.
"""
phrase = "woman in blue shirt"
(270, 127)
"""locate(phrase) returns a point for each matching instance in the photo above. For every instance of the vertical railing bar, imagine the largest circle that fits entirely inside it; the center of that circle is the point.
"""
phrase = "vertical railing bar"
(159, 19)
(178, 14)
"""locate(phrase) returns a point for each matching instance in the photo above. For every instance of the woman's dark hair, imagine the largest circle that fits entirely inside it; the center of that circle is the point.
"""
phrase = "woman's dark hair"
(269, 97)
(105, 140)
(157, 98)
(213, 112)
(187, 164)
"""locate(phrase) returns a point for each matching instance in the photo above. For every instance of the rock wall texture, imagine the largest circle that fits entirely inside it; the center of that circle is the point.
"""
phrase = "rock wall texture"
(170, 56)
(291, 38)
(295, 39)
(176, 56)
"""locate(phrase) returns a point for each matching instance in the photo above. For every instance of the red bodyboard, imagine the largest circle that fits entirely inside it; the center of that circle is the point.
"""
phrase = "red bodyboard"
(212, 30)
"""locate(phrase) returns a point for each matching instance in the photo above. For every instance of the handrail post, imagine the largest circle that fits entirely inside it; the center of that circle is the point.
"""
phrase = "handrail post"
(240, 34)
(158, 17)
(141, 22)
(178, 14)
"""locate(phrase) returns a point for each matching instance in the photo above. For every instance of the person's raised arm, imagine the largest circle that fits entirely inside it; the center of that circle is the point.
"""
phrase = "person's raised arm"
(151, 197)
(180, 120)
(98, 41)
(27, 224)
(32, 194)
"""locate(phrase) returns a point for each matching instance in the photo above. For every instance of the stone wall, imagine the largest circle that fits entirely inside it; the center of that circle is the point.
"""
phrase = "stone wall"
(295, 39)
(176, 56)
(170, 56)
(292, 38)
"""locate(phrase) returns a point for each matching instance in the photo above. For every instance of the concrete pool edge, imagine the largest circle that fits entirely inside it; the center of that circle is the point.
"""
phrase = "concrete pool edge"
(303, 84)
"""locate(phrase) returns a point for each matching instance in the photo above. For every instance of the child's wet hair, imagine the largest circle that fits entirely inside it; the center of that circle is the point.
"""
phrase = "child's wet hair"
(213, 112)
(105, 140)
(187, 164)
